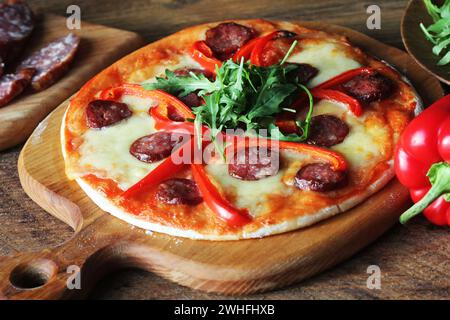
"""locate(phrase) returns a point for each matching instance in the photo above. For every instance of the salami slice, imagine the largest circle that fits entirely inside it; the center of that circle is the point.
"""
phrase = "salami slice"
(319, 177)
(369, 87)
(192, 99)
(103, 113)
(303, 73)
(16, 26)
(254, 163)
(327, 130)
(2, 66)
(11, 85)
(179, 191)
(155, 147)
(52, 61)
(226, 38)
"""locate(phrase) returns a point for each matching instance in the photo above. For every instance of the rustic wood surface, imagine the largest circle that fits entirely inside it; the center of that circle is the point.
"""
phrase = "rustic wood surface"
(414, 259)
(99, 47)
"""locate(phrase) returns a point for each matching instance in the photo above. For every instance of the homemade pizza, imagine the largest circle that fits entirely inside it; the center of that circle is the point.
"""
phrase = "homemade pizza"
(237, 129)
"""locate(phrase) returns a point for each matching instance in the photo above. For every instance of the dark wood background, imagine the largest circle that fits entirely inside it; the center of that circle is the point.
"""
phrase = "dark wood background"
(414, 259)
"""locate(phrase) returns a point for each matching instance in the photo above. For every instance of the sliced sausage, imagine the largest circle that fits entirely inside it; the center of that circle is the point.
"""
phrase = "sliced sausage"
(226, 38)
(52, 61)
(369, 87)
(253, 163)
(103, 113)
(303, 73)
(2, 66)
(327, 130)
(319, 177)
(155, 147)
(11, 85)
(179, 191)
(191, 100)
(276, 49)
(16, 26)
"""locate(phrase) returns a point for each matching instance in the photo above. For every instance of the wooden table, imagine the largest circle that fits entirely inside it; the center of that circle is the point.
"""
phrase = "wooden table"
(414, 259)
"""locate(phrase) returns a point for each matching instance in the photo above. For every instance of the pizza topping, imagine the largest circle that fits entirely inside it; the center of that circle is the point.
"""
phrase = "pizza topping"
(11, 85)
(303, 73)
(338, 96)
(216, 202)
(226, 38)
(254, 163)
(369, 87)
(203, 54)
(155, 147)
(242, 95)
(319, 177)
(327, 130)
(51, 61)
(262, 57)
(16, 25)
(103, 113)
(179, 191)
(192, 99)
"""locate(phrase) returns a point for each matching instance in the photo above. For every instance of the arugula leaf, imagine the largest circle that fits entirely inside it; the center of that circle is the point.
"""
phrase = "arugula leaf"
(438, 33)
(242, 95)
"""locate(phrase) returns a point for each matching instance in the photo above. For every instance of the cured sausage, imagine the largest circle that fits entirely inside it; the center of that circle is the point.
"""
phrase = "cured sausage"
(327, 130)
(179, 191)
(191, 100)
(303, 73)
(51, 61)
(155, 147)
(319, 177)
(11, 85)
(253, 163)
(369, 87)
(103, 113)
(226, 38)
(16, 26)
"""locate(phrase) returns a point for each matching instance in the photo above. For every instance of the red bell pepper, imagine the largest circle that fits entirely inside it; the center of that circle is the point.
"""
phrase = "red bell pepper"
(245, 51)
(344, 77)
(424, 151)
(204, 56)
(166, 169)
(335, 95)
(215, 201)
(256, 57)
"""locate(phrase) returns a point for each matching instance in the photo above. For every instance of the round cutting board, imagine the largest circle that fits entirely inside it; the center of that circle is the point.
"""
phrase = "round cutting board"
(102, 243)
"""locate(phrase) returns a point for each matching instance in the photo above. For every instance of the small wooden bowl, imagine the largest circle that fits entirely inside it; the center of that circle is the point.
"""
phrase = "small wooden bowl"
(416, 44)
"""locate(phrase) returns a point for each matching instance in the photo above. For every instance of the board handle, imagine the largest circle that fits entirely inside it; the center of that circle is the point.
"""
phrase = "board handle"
(71, 270)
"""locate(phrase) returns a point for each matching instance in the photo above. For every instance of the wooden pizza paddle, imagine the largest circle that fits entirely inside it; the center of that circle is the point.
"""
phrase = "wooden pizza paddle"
(102, 243)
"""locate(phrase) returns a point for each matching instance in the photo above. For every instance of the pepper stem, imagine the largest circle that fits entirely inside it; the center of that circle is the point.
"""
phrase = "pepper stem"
(439, 175)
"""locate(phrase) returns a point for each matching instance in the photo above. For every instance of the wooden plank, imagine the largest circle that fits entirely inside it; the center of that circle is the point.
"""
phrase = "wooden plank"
(104, 241)
(99, 47)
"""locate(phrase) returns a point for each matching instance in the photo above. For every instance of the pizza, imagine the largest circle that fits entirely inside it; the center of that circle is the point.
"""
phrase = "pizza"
(237, 129)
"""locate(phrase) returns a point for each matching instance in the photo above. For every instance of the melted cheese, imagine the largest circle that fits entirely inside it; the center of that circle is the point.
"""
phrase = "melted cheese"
(106, 152)
(184, 61)
(361, 147)
(248, 194)
(328, 57)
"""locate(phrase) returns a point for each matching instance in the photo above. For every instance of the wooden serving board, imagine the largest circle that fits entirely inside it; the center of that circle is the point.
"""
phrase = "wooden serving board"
(99, 47)
(102, 243)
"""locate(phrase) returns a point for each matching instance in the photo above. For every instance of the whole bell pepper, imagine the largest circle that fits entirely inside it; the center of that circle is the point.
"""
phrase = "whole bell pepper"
(422, 163)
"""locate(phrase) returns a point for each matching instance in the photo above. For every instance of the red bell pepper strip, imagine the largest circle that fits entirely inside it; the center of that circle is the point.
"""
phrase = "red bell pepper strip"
(256, 57)
(344, 77)
(204, 56)
(424, 151)
(165, 170)
(337, 161)
(216, 202)
(335, 95)
(245, 51)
